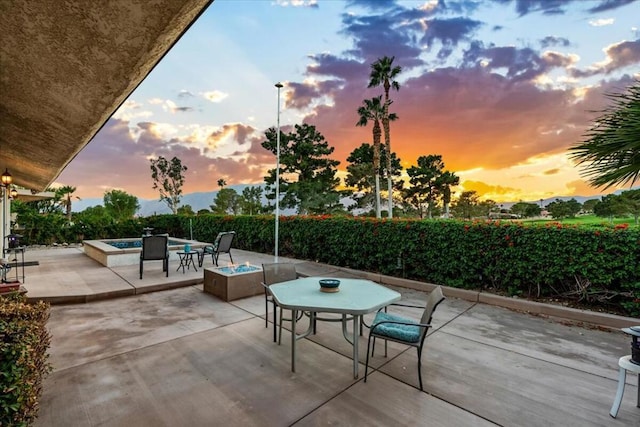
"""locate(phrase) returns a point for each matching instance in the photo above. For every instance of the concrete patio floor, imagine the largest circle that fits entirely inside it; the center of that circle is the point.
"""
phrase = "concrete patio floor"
(182, 357)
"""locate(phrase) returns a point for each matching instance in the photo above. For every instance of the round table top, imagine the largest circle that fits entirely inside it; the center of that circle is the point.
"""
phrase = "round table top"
(633, 330)
(626, 363)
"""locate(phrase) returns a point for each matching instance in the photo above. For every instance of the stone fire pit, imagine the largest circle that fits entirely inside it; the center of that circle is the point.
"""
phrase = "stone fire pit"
(233, 282)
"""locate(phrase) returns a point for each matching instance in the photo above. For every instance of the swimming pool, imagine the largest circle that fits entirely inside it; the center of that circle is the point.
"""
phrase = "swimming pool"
(136, 243)
(116, 252)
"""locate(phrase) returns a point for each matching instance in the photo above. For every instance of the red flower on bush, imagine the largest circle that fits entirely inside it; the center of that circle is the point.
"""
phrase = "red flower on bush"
(621, 226)
(597, 233)
(507, 237)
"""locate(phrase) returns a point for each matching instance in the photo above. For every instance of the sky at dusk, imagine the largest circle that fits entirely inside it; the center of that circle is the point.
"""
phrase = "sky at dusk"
(499, 88)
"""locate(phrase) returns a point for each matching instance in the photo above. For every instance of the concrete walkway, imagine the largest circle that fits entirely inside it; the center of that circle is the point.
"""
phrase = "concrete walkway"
(182, 357)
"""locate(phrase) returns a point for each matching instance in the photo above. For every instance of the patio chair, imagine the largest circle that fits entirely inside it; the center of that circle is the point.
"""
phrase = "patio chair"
(272, 274)
(222, 245)
(391, 327)
(155, 248)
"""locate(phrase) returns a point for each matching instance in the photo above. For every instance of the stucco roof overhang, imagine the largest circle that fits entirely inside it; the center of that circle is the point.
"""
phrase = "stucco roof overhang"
(66, 66)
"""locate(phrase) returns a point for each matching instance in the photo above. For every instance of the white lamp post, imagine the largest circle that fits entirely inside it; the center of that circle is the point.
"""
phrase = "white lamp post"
(279, 86)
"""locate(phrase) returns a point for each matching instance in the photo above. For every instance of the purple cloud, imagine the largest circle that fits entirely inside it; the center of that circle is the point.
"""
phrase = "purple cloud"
(449, 32)
(520, 64)
(554, 41)
(619, 55)
(609, 5)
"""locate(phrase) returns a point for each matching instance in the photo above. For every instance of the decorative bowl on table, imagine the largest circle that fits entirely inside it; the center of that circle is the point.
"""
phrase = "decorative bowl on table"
(329, 285)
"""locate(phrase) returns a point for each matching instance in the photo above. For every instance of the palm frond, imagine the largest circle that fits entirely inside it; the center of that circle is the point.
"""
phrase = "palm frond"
(610, 153)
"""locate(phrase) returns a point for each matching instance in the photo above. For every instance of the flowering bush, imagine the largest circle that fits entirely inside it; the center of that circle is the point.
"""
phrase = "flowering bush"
(594, 266)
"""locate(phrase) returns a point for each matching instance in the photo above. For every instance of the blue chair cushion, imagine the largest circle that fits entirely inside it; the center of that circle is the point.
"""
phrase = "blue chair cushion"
(407, 333)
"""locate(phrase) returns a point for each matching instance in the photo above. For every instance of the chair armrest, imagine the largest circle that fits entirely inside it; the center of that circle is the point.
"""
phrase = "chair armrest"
(407, 305)
(398, 304)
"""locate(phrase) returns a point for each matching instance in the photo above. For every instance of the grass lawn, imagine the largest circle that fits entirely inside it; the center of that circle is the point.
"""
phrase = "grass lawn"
(585, 220)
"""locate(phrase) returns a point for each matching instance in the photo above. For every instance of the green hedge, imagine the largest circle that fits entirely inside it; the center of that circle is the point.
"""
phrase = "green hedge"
(24, 341)
(592, 265)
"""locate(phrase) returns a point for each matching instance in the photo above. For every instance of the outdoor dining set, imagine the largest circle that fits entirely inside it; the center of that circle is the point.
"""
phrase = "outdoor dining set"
(350, 299)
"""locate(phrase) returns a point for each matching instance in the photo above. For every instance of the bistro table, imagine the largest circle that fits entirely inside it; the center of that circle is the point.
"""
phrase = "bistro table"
(186, 260)
(355, 298)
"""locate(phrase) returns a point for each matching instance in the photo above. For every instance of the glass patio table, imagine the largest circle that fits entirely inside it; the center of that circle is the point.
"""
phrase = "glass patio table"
(355, 298)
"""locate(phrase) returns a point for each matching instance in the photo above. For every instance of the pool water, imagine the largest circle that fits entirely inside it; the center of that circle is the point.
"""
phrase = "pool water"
(127, 244)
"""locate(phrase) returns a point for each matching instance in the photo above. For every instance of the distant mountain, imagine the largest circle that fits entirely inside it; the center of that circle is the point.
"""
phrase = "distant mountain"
(204, 200)
(197, 201)
(579, 199)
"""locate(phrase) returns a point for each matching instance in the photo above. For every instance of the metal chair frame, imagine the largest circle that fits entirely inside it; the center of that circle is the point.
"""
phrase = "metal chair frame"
(276, 273)
(155, 248)
(435, 298)
(222, 245)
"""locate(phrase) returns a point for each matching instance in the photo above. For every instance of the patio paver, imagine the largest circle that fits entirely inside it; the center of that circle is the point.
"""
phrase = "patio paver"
(183, 357)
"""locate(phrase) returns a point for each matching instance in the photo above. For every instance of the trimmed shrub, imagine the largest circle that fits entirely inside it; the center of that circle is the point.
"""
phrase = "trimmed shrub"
(24, 341)
(597, 266)
(592, 266)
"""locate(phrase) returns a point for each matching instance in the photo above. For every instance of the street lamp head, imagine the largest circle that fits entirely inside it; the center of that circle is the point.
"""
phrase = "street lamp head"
(279, 85)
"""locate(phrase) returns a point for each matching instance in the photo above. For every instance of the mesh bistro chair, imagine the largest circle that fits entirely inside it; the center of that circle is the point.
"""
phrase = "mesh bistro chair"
(155, 248)
(272, 274)
(222, 245)
(391, 327)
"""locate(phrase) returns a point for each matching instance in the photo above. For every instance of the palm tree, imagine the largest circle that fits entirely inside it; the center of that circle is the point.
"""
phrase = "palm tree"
(372, 109)
(383, 73)
(612, 151)
(445, 182)
(67, 191)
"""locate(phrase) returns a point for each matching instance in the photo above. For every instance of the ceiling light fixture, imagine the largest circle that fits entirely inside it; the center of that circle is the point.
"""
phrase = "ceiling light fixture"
(7, 179)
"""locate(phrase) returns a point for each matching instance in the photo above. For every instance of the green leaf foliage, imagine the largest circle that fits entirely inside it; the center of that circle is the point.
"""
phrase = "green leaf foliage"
(24, 342)
(535, 261)
(610, 153)
(168, 179)
(307, 175)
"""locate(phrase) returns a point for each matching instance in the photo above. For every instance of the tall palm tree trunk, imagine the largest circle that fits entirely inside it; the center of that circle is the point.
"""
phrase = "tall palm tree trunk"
(387, 148)
(376, 164)
(390, 190)
(68, 207)
(378, 215)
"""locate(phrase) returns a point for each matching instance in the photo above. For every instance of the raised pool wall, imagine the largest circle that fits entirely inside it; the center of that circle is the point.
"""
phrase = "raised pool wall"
(110, 256)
